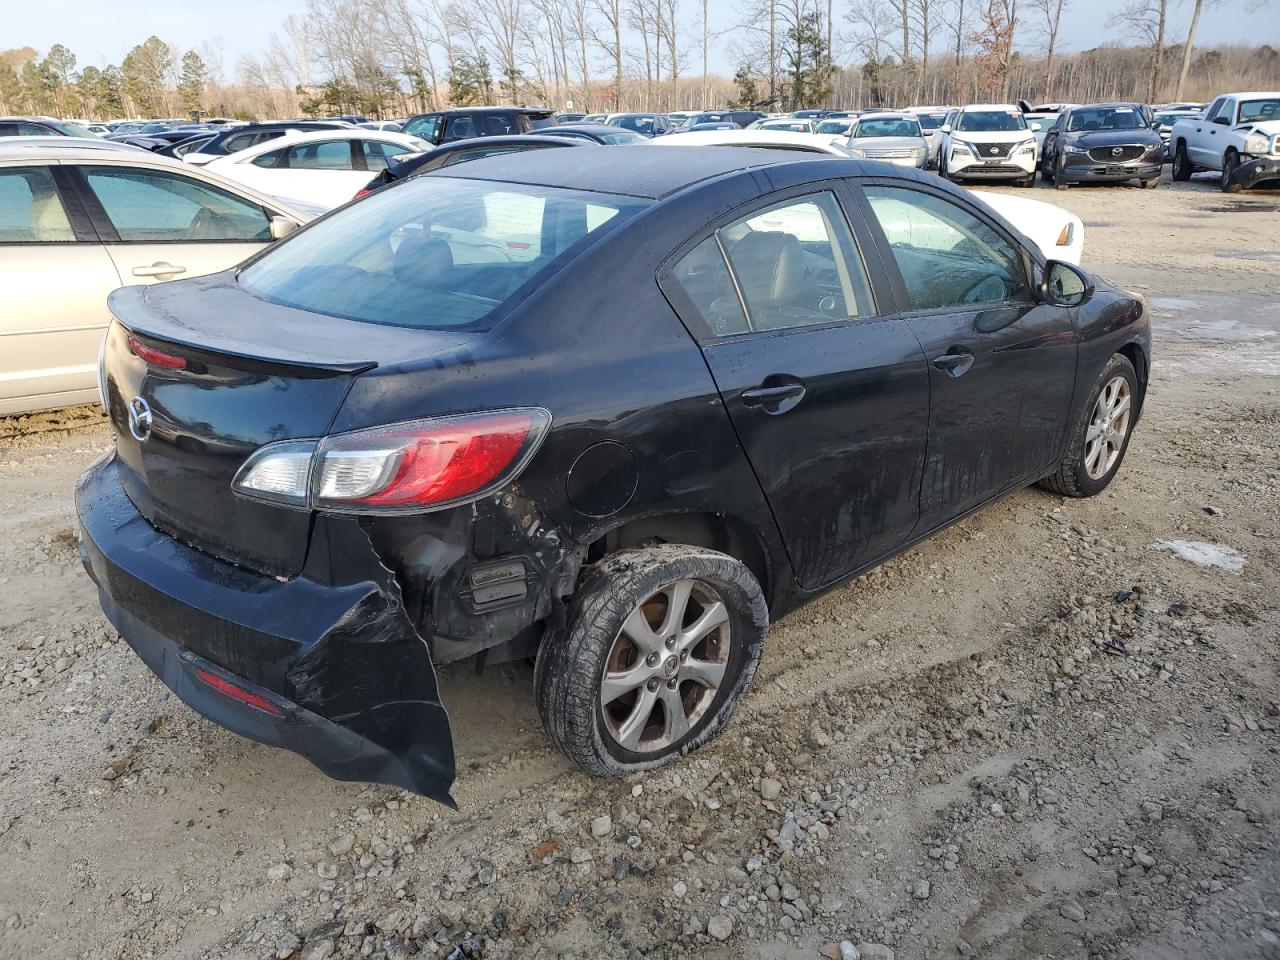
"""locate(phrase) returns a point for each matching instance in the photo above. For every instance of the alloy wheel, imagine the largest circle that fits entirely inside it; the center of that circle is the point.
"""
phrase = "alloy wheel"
(665, 666)
(1108, 427)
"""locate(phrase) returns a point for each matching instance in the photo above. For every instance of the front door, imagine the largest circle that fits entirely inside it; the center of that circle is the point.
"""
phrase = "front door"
(163, 225)
(828, 397)
(1001, 364)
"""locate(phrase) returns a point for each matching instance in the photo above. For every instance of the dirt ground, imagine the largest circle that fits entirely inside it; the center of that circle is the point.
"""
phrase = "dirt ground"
(1034, 736)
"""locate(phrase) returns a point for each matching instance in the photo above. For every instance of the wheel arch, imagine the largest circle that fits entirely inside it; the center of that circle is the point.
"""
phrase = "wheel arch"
(724, 533)
(1133, 352)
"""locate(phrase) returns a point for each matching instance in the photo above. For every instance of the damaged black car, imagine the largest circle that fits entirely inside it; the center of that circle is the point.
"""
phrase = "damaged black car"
(610, 417)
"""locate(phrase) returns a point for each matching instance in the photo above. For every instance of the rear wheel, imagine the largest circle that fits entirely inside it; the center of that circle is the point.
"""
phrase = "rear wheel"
(1100, 436)
(1059, 173)
(1229, 164)
(660, 648)
(1182, 168)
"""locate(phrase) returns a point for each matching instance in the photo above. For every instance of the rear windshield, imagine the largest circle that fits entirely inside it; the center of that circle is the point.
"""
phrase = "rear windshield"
(987, 121)
(437, 253)
(931, 121)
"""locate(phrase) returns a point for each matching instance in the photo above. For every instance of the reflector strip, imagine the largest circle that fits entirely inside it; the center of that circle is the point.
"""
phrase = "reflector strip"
(157, 357)
(237, 693)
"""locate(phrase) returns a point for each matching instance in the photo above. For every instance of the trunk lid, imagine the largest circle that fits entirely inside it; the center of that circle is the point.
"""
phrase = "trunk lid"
(253, 373)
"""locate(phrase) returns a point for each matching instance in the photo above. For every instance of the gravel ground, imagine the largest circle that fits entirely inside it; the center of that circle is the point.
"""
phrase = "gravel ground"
(1035, 735)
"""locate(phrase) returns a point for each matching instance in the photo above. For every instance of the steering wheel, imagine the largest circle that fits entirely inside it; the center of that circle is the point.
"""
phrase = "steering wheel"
(990, 289)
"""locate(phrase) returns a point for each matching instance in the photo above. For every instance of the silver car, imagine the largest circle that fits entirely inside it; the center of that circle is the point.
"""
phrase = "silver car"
(893, 137)
(79, 218)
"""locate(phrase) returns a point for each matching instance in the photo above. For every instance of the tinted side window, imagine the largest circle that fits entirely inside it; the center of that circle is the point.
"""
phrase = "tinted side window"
(377, 152)
(35, 130)
(425, 127)
(30, 209)
(796, 264)
(1225, 109)
(271, 158)
(704, 278)
(155, 207)
(246, 140)
(946, 255)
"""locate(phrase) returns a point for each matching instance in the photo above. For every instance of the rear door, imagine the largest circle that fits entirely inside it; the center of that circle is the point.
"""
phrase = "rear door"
(1001, 365)
(828, 395)
(161, 225)
(56, 276)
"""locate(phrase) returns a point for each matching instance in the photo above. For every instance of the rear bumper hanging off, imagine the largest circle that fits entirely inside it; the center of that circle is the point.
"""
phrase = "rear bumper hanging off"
(332, 671)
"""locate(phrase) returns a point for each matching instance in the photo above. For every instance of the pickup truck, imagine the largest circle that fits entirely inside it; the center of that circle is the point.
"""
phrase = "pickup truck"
(1238, 135)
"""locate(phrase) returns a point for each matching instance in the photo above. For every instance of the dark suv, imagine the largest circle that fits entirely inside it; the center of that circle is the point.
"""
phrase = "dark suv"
(466, 122)
(613, 408)
(244, 136)
(40, 127)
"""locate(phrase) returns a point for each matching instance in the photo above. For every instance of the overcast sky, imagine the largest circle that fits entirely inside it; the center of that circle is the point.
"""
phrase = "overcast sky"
(102, 31)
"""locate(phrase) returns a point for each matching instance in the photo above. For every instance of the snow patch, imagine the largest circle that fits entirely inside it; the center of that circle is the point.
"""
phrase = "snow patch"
(1204, 554)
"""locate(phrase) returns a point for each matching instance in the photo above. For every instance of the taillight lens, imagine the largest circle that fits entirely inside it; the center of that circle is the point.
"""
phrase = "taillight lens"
(362, 192)
(405, 467)
(425, 463)
(156, 357)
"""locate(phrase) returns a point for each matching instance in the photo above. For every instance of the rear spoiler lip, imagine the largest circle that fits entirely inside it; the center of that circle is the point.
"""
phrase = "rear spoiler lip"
(129, 308)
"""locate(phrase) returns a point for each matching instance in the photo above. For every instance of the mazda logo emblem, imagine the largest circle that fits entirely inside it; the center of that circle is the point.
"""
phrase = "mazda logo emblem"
(139, 419)
(1116, 151)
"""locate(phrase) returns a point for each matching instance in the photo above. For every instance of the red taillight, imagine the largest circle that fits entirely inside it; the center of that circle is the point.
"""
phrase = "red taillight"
(425, 463)
(362, 192)
(239, 693)
(156, 357)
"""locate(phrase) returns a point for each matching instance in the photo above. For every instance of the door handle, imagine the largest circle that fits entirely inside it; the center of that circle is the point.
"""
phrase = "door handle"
(954, 364)
(160, 269)
(775, 398)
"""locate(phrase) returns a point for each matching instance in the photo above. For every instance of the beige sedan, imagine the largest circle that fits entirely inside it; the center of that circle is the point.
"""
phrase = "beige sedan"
(79, 219)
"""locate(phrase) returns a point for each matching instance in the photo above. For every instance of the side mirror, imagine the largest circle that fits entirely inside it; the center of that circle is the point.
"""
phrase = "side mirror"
(1222, 120)
(1065, 285)
(945, 128)
(1036, 127)
(281, 227)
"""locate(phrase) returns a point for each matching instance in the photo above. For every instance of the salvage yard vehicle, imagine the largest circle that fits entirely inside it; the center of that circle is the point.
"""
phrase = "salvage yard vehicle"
(989, 142)
(360, 455)
(464, 123)
(233, 139)
(892, 137)
(1238, 135)
(324, 168)
(1102, 143)
(80, 218)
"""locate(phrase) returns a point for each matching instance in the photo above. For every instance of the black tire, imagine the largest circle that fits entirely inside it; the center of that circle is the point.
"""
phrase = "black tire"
(1072, 479)
(1046, 171)
(1182, 166)
(1229, 164)
(1028, 181)
(1059, 181)
(571, 663)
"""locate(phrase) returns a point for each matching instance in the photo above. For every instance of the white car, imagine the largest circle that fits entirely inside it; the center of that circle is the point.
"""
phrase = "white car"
(79, 218)
(323, 167)
(1238, 135)
(1058, 233)
(989, 141)
(932, 120)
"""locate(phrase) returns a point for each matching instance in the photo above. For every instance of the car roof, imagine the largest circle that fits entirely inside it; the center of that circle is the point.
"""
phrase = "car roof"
(505, 139)
(666, 169)
(757, 138)
(1002, 107)
(507, 109)
(889, 115)
(61, 148)
(601, 128)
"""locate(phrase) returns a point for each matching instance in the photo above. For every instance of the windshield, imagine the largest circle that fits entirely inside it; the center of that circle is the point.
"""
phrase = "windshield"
(1104, 118)
(436, 253)
(888, 127)
(835, 126)
(1169, 119)
(73, 129)
(932, 121)
(991, 121)
(794, 126)
(1256, 111)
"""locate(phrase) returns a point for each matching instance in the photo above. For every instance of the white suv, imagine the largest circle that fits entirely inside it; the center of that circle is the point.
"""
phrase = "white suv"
(990, 141)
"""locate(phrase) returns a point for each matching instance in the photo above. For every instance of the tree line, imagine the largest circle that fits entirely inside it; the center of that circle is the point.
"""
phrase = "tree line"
(386, 58)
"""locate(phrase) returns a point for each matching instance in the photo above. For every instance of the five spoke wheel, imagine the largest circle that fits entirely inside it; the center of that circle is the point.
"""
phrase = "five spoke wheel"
(665, 666)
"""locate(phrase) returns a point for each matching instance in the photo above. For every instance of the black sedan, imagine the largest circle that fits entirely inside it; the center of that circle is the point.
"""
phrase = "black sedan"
(617, 417)
(460, 151)
(1102, 143)
(600, 133)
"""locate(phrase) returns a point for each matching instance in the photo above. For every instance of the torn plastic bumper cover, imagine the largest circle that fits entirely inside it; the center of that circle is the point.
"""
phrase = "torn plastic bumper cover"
(328, 666)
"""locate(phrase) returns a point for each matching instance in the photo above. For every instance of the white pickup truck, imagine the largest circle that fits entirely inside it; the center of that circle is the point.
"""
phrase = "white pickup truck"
(1238, 135)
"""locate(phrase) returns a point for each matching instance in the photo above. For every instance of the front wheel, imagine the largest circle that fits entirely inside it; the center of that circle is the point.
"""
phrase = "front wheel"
(660, 647)
(1229, 164)
(1100, 435)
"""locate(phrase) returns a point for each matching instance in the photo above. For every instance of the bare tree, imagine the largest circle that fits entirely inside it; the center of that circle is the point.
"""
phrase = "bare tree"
(1051, 12)
(609, 39)
(1149, 18)
(1187, 47)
